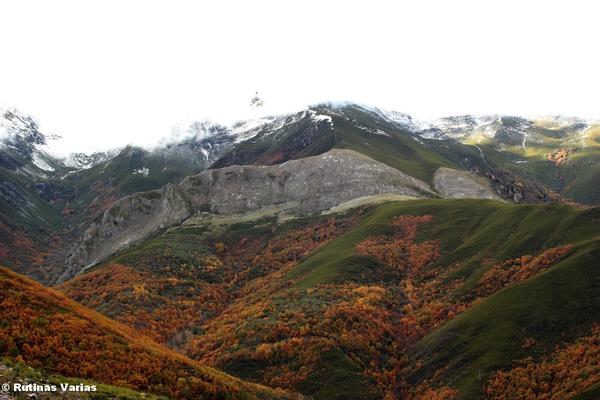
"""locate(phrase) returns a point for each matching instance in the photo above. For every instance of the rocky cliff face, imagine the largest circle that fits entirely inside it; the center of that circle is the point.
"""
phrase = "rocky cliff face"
(307, 185)
(454, 184)
(516, 189)
(126, 221)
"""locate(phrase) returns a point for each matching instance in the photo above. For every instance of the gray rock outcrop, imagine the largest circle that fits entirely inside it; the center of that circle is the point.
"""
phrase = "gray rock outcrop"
(454, 184)
(303, 186)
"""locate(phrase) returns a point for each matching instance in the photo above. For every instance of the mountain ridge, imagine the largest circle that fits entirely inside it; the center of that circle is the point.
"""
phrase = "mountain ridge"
(336, 176)
(64, 201)
(336, 244)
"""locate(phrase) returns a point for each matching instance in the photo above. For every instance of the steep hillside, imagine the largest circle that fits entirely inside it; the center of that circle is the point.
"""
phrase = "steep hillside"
(304, 186)
(279, 139)
(45, 198)
(410, 299)
(557, 154)
(28, 217)
(170, 285)
(131, 170)
(321, 128)
(538, 335)
(561, 154)
(135, 169)
(453, 184)
(46, 330)
(286, 270)
(418, 149)
(19, 373)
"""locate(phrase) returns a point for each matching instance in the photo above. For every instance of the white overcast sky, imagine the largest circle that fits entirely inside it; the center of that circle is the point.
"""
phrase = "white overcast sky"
(106, 73)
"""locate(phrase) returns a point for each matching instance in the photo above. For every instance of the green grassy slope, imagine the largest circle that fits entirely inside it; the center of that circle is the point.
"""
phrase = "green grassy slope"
(555, 306)
(273, 309)
(573, 178)
(28, 218)
(584, 175)
(20, 203)
(398, 148)
(592, 393)
(366, 131)
(468, 230)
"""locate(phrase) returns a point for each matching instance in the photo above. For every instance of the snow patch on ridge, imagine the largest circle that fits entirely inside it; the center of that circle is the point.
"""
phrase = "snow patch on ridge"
(319, 117)
(401, 119)
(144, 171)
(40, 163)
(205, 153)
(245, 130)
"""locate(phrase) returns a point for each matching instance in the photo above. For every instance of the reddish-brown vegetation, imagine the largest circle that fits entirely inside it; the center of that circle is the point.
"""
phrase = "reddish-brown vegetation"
(134, 297)
(169, 301)
(426, 393)
(364, 321)
(427, 292)
(48, 331)
(25, 253)
(559, 156)
(518, 269)
(566, 372)
(254, 316)
(399, 250)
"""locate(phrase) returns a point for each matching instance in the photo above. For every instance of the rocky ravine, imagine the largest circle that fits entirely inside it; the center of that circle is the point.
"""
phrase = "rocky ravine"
(303, 186)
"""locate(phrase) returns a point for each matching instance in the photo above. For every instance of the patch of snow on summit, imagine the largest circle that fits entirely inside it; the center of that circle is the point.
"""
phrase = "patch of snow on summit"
(320, 117)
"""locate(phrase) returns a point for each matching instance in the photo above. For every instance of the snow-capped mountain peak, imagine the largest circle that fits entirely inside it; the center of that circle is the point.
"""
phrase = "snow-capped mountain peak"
(19, 129)
(20, 133)
(85, 160)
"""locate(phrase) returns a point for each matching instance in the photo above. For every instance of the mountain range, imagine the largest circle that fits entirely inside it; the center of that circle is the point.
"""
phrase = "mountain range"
(338, 252)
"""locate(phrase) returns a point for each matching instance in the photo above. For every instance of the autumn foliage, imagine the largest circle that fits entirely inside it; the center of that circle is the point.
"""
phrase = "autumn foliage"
(399, 250)
(518, 269)
(559, 156)
(163, 306)
(169, 298)
(233, 307)
(569, 370)
(427, 302)
(24, 252)
(363, 321)
(422, 392)
(48, 331)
